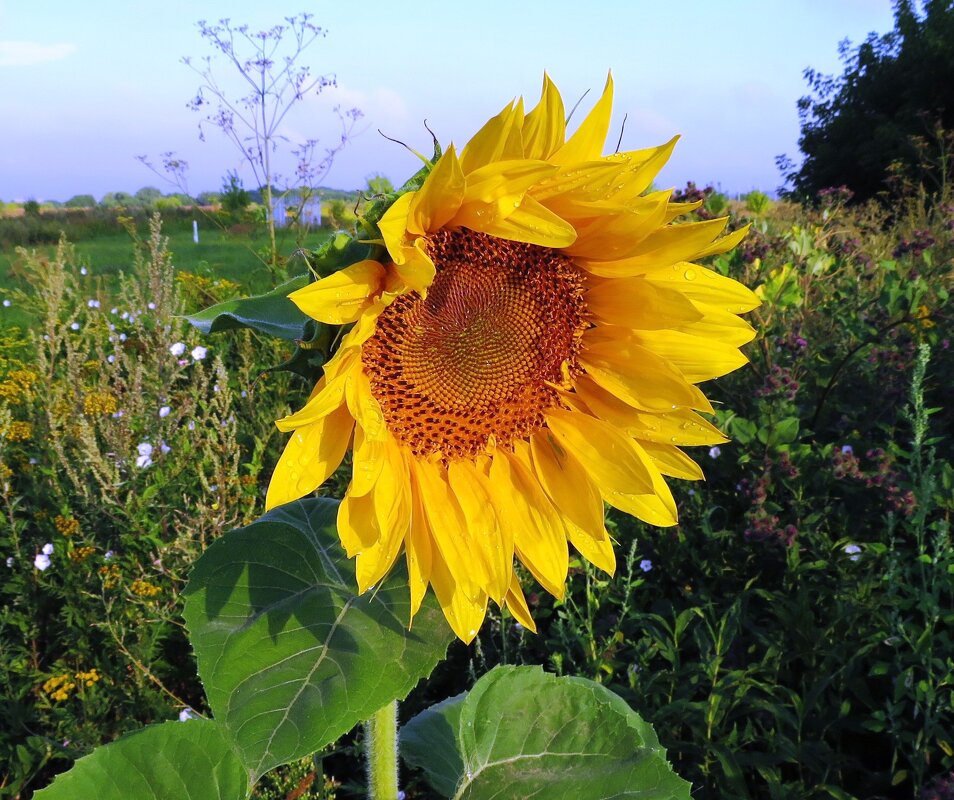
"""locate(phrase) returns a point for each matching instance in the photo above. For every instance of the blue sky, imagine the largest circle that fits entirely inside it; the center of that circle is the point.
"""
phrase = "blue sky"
(85, 87)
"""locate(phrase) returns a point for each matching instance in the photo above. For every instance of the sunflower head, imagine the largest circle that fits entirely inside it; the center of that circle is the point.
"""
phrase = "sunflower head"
(525, 349)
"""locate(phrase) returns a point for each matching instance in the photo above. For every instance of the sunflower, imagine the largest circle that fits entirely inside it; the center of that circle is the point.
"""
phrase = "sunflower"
(526, 350)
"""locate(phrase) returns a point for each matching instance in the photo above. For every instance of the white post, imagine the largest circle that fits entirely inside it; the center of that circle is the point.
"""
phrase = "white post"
(195, 231)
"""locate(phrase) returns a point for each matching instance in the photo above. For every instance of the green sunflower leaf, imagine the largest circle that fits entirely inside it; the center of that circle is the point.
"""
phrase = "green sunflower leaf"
(272, 313)
(290, 658)
(523, 733)
(192, 760)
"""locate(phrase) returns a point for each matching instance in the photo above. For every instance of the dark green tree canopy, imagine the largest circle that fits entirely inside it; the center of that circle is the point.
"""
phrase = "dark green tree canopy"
(891, 111)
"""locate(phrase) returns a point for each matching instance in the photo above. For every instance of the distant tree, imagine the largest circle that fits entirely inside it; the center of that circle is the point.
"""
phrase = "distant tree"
(31, 208)
(209, 198)
(147, 196)
(118, 200)
(81, 201)
(891, 111)
(235, 198)
(168, 203)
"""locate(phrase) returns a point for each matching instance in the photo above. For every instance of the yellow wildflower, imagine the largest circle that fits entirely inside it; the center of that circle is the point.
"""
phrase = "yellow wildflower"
(99, 403)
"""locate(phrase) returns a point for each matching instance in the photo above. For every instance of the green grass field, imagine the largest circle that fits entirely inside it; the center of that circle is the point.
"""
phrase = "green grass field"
(219, 254)
(235, 257)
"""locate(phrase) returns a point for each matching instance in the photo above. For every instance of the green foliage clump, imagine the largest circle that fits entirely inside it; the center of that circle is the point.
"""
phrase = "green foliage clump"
(889, 114)
(124, 452)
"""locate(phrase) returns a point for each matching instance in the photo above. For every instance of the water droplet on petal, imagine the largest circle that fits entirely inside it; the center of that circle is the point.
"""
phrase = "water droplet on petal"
(689, 274)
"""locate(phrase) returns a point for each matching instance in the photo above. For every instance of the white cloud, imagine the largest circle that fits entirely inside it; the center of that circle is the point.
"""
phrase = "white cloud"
(26, 54)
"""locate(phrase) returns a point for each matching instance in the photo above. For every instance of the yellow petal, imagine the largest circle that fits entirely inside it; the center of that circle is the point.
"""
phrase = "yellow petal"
(341, 297)
(724, 244)
(530, 222)
(330, 398)
(616, 236)
(418, 555)
(663, 248)
(393, 226)
(493, 544)
(657, 507)
(637, 303)
(706, 286)
(313, 452)
(586, 144)
(357, 527)
(637, 375)
(363, 406)
(544, 128)
(464, 613)
(566, 482)
(598, 552)
(368, 457)
(640, 167)
(698, 359)
(507, 180)
(539, 537)
(391, 494)
(671, 461)
(607, 454)
(718, 325)
(517, 605)
(497, 140)
(416, 270)
(448, 527)
(679, 426)
(440, 196)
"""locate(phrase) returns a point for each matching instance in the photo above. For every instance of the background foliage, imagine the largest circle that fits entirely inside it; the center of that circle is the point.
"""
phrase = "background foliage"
(789, 639)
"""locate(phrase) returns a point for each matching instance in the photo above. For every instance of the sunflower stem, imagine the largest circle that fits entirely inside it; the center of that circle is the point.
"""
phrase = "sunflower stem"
(381, 733)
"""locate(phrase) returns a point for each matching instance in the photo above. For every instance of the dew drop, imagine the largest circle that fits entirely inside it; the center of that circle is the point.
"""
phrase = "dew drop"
(295, 476)
(689, 275)
(672, 439)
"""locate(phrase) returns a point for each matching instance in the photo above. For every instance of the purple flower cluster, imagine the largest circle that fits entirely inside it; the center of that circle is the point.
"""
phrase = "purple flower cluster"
(778, 383)
(920, 241)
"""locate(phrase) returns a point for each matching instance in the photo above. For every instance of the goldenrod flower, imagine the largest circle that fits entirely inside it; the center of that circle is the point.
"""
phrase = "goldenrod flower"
(527, 349)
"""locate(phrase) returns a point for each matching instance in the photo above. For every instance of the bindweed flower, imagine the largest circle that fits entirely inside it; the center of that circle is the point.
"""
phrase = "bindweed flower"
(186, 714)
(47, 549)
(646, 565)
(151, 306)
(164, 412)
(847, 449)
(10, 561)
(715, 452)
(84, 271)
(164, 448)
(74, 326)
(93, 303)
(852, 550)
(527, 348)
(177, 349)
(41, 562)
(7, 303)
(145, 455)
(199, 352)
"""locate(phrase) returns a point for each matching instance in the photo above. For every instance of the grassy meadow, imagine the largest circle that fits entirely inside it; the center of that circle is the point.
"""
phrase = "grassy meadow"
(790, 639)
